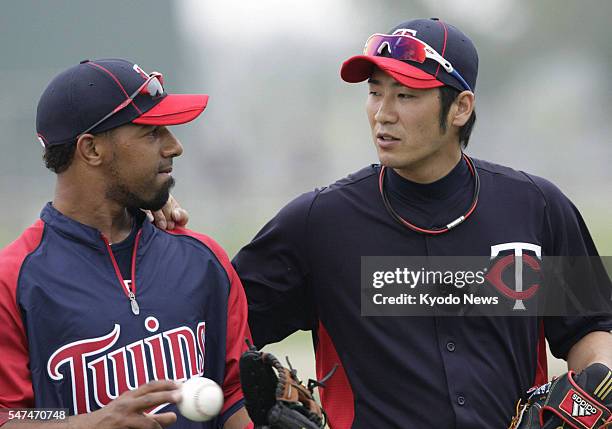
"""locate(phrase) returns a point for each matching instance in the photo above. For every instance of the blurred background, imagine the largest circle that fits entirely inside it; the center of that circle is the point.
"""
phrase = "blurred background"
(281, 121)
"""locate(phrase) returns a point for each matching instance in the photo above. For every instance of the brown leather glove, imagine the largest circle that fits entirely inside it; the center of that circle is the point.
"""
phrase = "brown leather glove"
(273, 395)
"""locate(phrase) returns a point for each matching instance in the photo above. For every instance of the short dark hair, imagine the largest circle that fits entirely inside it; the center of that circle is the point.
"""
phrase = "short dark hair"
(59, 157)
(447, 96)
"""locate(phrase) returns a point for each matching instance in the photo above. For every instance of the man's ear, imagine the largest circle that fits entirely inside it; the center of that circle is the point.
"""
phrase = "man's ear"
(90, 149)
(464, 106)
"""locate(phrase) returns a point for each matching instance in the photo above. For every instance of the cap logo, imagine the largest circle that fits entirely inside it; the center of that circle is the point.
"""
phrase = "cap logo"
(405, 32)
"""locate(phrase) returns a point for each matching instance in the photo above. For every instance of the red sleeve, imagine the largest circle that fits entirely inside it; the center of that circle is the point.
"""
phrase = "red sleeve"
(237, 333)
(15, 380)
(237, 327)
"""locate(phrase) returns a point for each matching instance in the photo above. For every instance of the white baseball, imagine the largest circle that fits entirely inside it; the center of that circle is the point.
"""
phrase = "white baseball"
(201, 399)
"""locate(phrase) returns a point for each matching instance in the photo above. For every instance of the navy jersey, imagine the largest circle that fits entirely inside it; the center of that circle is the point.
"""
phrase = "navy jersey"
(70, 339)
(302, 272)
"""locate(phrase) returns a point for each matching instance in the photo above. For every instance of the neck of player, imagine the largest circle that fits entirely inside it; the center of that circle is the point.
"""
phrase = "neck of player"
(90, 207)
(432, 168)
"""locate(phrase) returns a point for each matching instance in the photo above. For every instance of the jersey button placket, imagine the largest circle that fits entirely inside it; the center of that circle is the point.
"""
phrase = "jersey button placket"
(457, 378)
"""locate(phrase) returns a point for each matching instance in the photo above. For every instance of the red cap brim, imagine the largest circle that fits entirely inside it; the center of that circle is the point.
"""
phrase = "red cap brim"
(174, 109)
(360, 67)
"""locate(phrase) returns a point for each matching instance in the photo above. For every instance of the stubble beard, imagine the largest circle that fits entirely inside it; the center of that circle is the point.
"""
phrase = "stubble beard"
(132, 198)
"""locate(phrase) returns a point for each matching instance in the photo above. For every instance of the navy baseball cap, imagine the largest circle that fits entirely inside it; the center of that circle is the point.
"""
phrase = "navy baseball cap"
(78, 99)
(447, 40)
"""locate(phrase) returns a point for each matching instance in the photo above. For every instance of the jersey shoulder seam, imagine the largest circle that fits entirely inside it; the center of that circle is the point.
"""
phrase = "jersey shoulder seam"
(541, 192)
(25, 261)
(334, 188)
(520, 172)
(348, 181)
(205, 245)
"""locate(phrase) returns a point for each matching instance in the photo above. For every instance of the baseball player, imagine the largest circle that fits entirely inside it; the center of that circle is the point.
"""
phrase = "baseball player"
(426, 198)
(102, 313)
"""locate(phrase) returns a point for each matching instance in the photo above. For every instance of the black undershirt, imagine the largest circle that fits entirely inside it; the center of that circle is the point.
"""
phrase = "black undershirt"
(432, 204)
(122, 252)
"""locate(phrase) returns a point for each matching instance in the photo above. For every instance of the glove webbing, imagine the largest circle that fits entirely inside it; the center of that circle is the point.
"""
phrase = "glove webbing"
(292, 393)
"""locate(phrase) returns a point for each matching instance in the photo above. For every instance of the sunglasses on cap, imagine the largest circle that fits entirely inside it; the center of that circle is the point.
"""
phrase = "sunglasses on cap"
(404, 47)
(152, 87)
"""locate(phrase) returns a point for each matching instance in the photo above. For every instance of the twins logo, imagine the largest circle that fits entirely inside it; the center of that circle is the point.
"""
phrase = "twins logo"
(90, 370)
(405, 32)
(494, 276)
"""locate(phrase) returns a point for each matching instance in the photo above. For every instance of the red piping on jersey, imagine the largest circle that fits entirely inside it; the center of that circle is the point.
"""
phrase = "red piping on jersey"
(132, 285)
(541, 375)
(337, 397)
(118, 83)
(232, 391)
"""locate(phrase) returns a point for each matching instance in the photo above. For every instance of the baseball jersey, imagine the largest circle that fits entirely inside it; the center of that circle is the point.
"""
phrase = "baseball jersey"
(70, 338)
(302, 272)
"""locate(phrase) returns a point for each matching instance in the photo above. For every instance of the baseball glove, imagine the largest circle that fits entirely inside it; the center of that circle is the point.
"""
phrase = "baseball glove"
(582, 401)
(273, 395)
